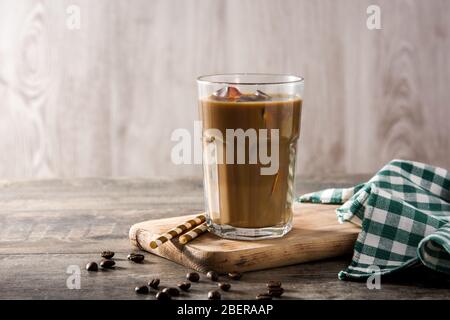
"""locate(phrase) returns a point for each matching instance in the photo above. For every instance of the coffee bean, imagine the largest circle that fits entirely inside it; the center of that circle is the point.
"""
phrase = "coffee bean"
(108, 264)
(107, 254)
(263, 296)
(214, 295)
(273, 284)
(174, 292)
(235, 275)
(161, 295)
(224, 286)
(184, 286)
(141, 289)
(212, 275)
(92, 266)
(193, 276)
(154, 283)
(275, 291)
(136, 257)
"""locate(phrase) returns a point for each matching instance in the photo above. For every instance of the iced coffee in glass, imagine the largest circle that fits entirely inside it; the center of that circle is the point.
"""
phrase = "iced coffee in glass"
(250, 129)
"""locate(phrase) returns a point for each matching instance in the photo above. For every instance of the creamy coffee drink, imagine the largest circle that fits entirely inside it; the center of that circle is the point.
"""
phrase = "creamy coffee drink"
(238, 194)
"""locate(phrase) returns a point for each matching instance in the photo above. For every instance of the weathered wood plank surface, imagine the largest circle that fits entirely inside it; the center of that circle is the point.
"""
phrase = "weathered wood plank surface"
(47, 226)
(103, 100)
(316, 235)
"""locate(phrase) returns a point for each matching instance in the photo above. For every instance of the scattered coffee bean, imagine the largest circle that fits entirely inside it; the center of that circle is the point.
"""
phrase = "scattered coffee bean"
(92, 266)
(136, 257)
(161, 295)
(212, 275)
(107, 254)
(263, 296)
(141, 289)
(235, 275)
(273, 284)
(275, 291)
(108, 264)
(154, 283)
(174, 292)
(224, 286)
(193, 276)
(214, 295)
(184, 286)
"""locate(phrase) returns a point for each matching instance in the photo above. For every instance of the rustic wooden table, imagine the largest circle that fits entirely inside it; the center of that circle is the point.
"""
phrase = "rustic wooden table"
(50, 227)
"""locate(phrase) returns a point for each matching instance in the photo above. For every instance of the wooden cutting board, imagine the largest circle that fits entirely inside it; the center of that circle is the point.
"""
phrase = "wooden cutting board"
(316, 234)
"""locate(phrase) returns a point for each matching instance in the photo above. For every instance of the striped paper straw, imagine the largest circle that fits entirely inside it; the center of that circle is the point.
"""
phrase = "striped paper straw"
(194, 233)
(177, 231)
(291, 178)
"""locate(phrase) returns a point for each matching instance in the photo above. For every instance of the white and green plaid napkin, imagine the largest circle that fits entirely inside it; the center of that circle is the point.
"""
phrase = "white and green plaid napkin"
(404, 214)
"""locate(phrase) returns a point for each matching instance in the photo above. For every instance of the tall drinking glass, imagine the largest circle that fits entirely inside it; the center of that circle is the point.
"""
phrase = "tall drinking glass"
(250, 129)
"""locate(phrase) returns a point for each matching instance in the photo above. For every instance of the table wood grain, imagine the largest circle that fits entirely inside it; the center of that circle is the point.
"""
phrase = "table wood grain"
(48, 225)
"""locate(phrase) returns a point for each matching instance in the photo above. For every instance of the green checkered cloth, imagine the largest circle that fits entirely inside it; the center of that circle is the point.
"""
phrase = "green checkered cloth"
(404, 214)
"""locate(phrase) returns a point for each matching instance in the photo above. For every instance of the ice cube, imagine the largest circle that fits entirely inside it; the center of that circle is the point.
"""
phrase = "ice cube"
(258, 96)
(248, 98)
(227, 93)
(263, 96)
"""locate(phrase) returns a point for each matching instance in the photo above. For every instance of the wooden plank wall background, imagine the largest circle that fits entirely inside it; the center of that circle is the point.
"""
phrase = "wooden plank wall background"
(103, 100)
